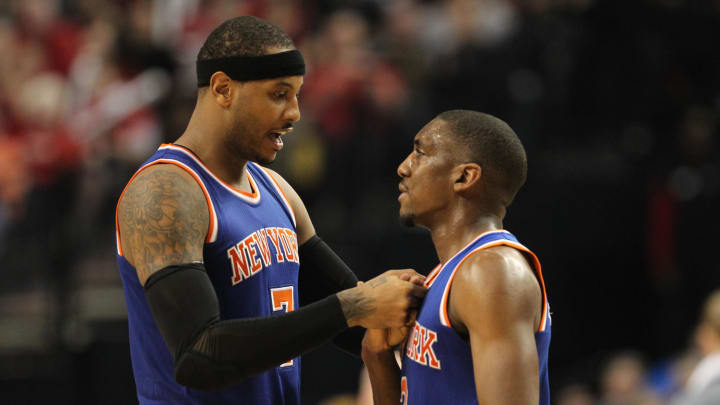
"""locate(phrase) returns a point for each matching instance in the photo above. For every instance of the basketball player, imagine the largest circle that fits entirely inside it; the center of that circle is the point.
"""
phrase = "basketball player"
(483, 332)
(210, 243)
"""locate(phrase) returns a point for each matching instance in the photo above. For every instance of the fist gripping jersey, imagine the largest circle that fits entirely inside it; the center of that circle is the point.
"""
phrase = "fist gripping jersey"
(437, 363)
(251, 257)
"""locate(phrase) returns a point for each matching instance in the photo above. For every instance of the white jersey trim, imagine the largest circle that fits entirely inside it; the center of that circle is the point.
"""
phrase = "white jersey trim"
(250, 199)
(212, 226)
(438, 270)
(280, 192)
(442, 310)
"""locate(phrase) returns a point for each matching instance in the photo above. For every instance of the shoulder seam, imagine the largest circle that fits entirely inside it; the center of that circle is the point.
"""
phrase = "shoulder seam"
(211, 235)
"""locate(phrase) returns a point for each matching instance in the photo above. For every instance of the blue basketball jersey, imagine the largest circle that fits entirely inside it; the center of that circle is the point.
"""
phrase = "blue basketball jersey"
(251, 257)
(437, 362)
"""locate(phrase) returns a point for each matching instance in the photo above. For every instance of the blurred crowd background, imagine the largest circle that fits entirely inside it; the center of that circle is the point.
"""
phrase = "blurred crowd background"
(617, 103)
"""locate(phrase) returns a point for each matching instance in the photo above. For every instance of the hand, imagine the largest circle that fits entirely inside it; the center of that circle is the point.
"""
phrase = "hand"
(384, 340)
(386, 301)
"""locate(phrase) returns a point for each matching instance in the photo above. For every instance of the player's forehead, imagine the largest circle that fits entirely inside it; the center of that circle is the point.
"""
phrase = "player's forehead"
(433, 135)
(290, 82)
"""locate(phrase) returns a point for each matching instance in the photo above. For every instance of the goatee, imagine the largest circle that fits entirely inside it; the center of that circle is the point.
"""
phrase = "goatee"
(407, 220)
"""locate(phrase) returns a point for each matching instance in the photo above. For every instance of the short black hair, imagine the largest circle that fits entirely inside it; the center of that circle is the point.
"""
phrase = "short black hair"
(243, 36)
(492, 144)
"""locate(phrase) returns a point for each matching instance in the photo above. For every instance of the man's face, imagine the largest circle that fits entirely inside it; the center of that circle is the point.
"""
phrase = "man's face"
(426, 185)
(263, 111)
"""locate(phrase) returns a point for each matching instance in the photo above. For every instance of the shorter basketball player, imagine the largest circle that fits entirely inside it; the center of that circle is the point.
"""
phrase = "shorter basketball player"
(483, 332)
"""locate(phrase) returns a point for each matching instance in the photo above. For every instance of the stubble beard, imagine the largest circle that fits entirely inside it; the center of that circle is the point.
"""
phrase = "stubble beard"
(407, 220)
(238, 142)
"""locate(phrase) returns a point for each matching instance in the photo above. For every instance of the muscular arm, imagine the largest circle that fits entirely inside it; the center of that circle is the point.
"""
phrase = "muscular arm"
(163, 219)
(496, 301)
(382, 367)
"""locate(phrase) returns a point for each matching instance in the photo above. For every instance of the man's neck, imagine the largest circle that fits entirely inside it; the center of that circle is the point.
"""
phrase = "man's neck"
(450, 236)
(206, 141)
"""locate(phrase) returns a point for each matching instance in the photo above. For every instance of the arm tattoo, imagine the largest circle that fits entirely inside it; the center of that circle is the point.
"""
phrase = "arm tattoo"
(163, 219)
(355, 305)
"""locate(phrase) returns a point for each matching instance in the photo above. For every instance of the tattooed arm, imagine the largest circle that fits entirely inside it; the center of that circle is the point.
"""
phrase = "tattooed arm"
(386, 301)
(163, 220)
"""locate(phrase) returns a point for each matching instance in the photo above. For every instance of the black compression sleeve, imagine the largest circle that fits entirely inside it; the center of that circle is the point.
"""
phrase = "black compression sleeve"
(229, 351)
(211, 354)
(322, 273)
(182, 301)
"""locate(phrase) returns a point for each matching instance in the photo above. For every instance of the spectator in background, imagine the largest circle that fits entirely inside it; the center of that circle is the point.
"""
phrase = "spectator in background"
(703, 386)
(575, 395)
(623, 382)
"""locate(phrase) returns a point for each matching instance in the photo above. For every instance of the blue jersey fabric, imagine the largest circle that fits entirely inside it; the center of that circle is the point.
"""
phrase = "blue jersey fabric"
(251, 257)
(437, 362)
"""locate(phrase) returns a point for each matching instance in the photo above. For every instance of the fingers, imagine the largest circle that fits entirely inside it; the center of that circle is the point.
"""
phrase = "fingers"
(404, 274)
(411, 317)
(417, 279)
(409, 275)
(396, 295)
(375, 340)
(395, 336)
(418, 291)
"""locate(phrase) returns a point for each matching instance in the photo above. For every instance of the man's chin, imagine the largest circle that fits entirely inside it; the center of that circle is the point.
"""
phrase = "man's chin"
(266, 160)
(407, 220)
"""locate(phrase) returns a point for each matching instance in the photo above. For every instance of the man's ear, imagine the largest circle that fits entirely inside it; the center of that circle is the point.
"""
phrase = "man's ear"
(466, 176)
(221, 88)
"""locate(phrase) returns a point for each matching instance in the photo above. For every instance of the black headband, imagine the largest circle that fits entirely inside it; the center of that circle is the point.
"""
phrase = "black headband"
(244, 68)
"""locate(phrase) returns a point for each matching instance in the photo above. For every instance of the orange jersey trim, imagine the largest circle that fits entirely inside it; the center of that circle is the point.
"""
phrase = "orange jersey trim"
(253, 195)
(438, 269)
(282, 192)
(432, 275)
(445, 318)
(212, 226)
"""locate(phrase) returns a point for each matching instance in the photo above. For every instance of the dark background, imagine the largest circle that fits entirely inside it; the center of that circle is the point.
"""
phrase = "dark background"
(617, 103)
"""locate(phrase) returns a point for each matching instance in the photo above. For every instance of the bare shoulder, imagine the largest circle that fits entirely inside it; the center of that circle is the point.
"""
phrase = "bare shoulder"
(495, 282)
(497, 270)
(163, 219)
(284, 184)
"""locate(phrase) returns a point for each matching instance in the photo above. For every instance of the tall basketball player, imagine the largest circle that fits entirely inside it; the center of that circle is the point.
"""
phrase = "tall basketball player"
(210, 243)
(483, 332)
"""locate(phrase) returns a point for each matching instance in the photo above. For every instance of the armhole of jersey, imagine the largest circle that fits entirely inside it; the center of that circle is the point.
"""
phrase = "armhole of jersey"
(443, 313)
(538, 275)
(213, 225)
(281, 193)
(444, 317)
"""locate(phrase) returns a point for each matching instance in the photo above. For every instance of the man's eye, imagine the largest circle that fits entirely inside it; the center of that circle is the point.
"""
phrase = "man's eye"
(280, 94)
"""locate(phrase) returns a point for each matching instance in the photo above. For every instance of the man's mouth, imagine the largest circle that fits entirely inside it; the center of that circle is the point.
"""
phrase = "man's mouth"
(403, 190)
(276, 136)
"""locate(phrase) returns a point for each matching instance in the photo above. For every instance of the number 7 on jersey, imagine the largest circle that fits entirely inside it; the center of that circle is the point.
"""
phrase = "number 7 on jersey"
(282, 298)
